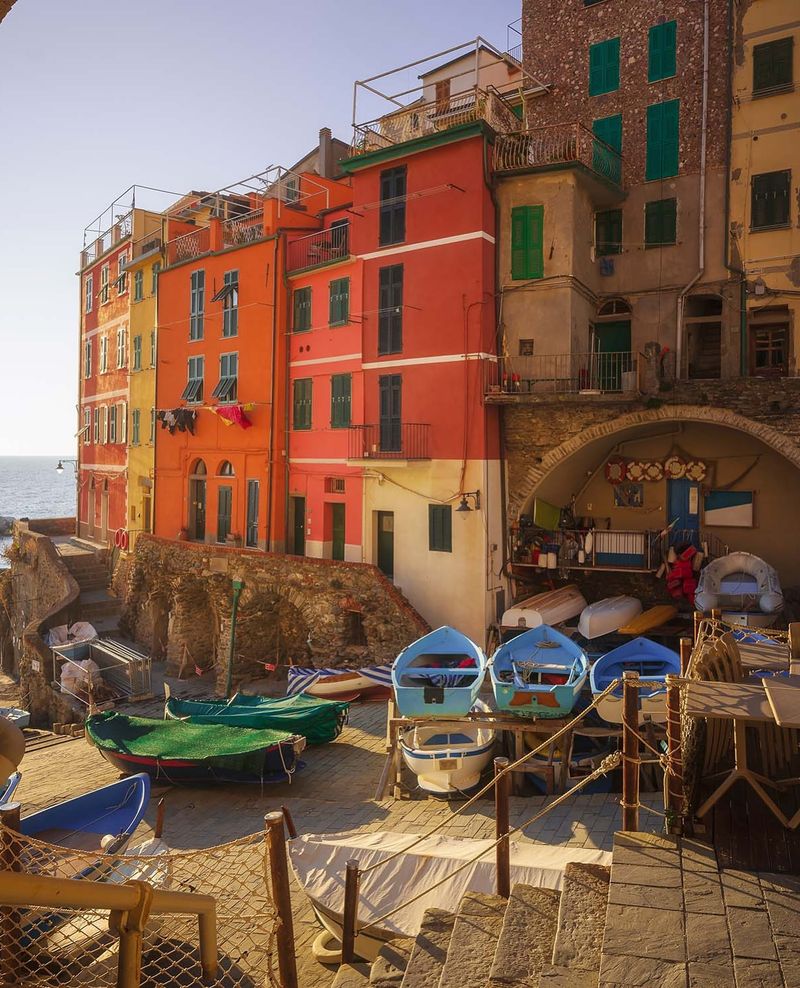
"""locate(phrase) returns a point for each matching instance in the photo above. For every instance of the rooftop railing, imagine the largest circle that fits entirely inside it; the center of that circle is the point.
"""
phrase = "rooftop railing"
(557, 145)
(323, 247)
(243, 229)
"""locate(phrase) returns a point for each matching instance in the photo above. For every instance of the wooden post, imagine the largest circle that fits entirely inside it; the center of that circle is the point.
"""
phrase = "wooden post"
(10, 919)
(519, 751)
(502, 789)
(279, 879)
(159, 829)
(675, 764)
(686, 654)
(630, 751)
(391, 713)
(287, 816)
(350, 912)
(397, 765)
(794, 648)
(698, 617)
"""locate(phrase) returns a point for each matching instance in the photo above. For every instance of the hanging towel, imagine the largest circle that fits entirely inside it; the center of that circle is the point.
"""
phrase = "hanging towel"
(232, 415)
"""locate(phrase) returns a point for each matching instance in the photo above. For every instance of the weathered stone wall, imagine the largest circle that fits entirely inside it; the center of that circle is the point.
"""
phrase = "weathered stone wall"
(313, 611)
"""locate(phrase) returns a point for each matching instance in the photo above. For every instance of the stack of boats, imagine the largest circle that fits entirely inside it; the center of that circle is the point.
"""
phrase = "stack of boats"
(539, 672)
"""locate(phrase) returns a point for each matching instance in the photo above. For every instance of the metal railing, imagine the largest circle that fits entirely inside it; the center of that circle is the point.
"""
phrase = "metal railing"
(122, 227)
(389, 441)
(422, 118)
(189, 245)
(118, 672)
(243, 229)
(146, 245)
(557, 144)
(565, 373)
(323, 247)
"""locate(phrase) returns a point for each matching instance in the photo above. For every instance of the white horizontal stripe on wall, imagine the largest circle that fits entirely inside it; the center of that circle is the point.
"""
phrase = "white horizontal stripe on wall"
(103, 395)
(325, 360)
(426, 244)
(445, 358)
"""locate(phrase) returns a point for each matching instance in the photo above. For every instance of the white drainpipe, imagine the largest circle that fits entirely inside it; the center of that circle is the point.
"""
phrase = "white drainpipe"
(701, 233)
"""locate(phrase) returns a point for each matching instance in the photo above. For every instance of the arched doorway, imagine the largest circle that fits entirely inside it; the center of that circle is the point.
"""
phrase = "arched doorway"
(611, 341)
(197, 501)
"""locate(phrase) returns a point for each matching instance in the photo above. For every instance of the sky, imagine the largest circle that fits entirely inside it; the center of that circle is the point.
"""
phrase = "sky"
(97, 95)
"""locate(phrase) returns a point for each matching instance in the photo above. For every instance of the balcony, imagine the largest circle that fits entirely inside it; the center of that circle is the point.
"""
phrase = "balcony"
(244, 229)
(557, 146)
(318, 249)
(189, 245)
(392, 441)
(562, 374)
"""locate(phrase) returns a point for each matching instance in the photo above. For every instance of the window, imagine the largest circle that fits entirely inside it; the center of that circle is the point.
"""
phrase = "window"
(87, 425)
(103, 354)
(88, 288)
(301, 310)
(104, 284)
(87, 358)
(527, 242)
(662, 140)
(660, 222)
(122, 435)
(390, 309)
(606, 159)
(122, 276)
(154, 270)
(97, 425)
(152, 348)
(152, 425)
(111, 414)
(661, 51)
(393, 206)
(604, 67)
(301, 404)
(526, 348)
(390, 404)
(334, 485)
(440, 528)
(229, 296)
(769, 342)
(194, 385)
(339, 307)
(137, 353)
(105, 424)
(608, 232)
(769, 205)
(138, 286)
(121, 347)
(136, 416)
(340, 401)
(197, 305)
(227, 388)
(292, 190)
(772, 66)
(251, 527)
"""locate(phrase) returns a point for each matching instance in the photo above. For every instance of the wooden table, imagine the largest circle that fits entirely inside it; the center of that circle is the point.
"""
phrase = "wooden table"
(783, 694)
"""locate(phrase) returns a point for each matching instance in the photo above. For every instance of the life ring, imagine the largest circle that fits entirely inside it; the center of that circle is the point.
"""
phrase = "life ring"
(653, 471)
(696, 470)
(616, 470)
(121, 538)
(636, 470)
(675, 467)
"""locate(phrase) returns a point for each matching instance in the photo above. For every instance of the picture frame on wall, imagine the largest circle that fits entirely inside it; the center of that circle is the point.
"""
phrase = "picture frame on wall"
(729, 509)
(628, 495)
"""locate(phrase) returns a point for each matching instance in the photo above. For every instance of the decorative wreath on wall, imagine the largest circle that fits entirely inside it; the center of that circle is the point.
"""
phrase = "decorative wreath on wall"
(636, 470)
(654, 470)
(696, 470)
(618, 469)
(674, 467)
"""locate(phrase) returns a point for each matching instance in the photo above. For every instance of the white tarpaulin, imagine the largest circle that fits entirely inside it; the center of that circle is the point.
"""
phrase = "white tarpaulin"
(81, 631)
(319, 862)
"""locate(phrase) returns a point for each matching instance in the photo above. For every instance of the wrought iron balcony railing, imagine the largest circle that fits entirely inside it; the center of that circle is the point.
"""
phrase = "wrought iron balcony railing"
(323, 247)
(555, 145)
(189, 245)
(244, 229)
(389, 441)
(564, 373)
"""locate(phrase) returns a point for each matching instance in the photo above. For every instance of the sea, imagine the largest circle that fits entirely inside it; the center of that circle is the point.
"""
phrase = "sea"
(30, 487)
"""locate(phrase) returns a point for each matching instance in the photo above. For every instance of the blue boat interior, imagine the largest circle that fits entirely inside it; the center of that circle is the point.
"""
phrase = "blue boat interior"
(448, 669)
(443, 740)
(542, 666)
(653, 662)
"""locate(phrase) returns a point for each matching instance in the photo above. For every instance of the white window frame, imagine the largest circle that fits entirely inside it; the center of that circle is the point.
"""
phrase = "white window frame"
(104, 429)
(87, 358)
(122, 274)
(111, 414)
(87, 425)
(97, 423)
(103, 354)
(88, 288)
(122, 428)
(121, 346)
(104, 292)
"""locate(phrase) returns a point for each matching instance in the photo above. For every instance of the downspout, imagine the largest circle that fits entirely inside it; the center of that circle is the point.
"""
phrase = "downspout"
(701, 231)
(271, 446)
(238, 586)
(287, 384)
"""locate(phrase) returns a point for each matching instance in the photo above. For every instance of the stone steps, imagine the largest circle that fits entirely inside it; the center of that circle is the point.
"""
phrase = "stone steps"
(390, 965)
(479, 922)
(526, 941)
(430, 948)
(582, 917)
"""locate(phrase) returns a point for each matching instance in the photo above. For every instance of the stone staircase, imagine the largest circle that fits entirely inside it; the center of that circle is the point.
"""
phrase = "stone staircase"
(95, 604)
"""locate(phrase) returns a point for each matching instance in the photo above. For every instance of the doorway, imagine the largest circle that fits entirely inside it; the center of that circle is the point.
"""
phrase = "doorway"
(147, 513)
(297, 525)
(251, 533)
(337, 531)
(683, 508)
(703, 321)
(385, 543)
(104, 512)
(197, 502)
(611, 342)
(224, 512)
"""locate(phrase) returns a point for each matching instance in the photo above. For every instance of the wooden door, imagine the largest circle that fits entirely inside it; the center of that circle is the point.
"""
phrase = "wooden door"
(385, 549)
(337, 531)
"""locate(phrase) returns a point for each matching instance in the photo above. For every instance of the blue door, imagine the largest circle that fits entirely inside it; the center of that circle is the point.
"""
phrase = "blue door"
(683, 508)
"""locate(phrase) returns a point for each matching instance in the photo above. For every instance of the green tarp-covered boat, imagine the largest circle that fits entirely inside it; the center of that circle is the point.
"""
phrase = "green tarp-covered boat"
(177, 751)
(317, 720)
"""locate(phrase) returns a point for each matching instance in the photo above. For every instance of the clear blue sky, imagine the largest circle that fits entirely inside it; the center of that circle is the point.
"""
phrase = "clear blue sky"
(96, 95)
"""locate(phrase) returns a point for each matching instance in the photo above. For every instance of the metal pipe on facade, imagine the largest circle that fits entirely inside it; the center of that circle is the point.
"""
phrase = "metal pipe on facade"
(238, 586)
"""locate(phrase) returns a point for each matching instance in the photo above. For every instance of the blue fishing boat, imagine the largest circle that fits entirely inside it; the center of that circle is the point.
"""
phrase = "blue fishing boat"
(8, 789)
(540, 673)
(439, 675)
(652, 661)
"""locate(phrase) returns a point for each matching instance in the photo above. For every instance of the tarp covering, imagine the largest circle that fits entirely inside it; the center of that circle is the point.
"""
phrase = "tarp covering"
(302, 677)
(81, 631)
(319, 861)
(318, 720)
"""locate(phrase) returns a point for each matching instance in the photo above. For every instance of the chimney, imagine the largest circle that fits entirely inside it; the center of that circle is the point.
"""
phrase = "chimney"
(325, 162)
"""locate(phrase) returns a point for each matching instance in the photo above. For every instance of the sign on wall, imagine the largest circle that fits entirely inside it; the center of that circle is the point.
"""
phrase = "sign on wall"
(730, 508)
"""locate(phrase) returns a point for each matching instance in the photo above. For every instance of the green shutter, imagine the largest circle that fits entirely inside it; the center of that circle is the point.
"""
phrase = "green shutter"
(660, 222)
(301, 320)
(604, 67)
(772, 65)
(663, 129)
(440, 530)
(301, 410)
(340, 401)
(527, 242)
(604, 161)
(661, 63)
(339, 307)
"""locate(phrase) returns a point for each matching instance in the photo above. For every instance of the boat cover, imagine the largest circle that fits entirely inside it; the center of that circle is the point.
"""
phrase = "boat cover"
(319, 861)
(318, 720)
(301, 677)
(81, 631)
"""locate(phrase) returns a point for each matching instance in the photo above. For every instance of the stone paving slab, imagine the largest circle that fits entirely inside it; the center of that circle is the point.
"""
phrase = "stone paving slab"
(626, 971)
(752, 973)
(751, 934)
(654, 933)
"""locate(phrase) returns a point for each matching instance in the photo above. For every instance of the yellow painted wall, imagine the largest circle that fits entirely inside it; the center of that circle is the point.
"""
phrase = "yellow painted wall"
(766, 138)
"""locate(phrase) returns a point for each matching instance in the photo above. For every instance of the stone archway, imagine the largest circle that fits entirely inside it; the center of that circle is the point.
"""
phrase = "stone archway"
(530, 481)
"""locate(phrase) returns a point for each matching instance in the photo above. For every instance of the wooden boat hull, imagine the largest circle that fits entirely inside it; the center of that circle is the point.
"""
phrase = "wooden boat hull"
(278, 765)
(654, 617)
(608, 615)
(439, 675)
(18, 717)
(552, 607)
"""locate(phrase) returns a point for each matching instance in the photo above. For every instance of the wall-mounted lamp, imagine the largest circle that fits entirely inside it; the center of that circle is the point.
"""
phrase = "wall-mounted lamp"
(60, 466)
(463, 504)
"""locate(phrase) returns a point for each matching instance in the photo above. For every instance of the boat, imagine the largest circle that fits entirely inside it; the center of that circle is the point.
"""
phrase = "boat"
(179, 752)
(652, 661)
(8, 789)
(369, 683)
(739, 581)
(21, 718)
(102, 820)
(546, 770)
(317, 720)
(319, 861)
(438, 675)
(608, 615)
(448, 759)
(538, 673)
(552, 607)
(653, 617)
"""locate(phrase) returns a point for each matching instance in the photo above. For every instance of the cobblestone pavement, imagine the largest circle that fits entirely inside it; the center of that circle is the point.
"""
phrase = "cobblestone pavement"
(334, 793)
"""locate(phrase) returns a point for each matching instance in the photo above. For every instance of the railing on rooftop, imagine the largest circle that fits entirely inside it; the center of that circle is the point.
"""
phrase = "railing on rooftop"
(389, 441)
(189, 245)
(243, 229)
(420, 119)
(564, 373)
(122, 227)
(556, 145)
(323, 247)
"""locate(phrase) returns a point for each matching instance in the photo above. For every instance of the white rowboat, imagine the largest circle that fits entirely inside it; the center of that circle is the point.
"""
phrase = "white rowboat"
(552, 607)
(607, 615)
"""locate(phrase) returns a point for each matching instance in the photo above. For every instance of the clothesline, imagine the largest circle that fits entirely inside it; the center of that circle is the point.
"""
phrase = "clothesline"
(183, 419)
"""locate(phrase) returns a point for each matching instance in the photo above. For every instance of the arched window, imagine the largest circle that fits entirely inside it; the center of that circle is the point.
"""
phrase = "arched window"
(198, 469)
(614, 307)
(225, 469)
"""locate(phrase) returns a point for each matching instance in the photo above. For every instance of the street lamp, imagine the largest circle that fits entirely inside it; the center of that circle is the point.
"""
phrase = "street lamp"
(464, 503)
(60, 465)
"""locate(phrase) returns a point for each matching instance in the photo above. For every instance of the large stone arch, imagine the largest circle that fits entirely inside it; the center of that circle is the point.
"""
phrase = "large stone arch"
(548, 462)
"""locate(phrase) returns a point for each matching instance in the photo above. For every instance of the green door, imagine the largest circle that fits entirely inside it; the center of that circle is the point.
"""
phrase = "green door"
(386, 542)
(298, 507)
(224, 509)
(337, 531)
(613, 349)
(606, 159)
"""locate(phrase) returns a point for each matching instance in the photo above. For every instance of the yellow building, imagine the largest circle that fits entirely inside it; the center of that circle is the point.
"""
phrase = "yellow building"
(143, 272)
(764, 174)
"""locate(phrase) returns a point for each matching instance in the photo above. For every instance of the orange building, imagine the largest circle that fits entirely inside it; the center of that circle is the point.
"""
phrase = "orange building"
(221, 458)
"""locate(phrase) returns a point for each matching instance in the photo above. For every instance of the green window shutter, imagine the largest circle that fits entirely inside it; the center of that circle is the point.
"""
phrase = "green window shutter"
(770, 205)
(339, 306)
(608, 233)
(340, 401)
(772, 65)
(301, 404)
(527, 242)
(663, 128)
(661, 62)
(660, 222)
(301, 320)
(604, 67)
(440, 531)
(606, 161)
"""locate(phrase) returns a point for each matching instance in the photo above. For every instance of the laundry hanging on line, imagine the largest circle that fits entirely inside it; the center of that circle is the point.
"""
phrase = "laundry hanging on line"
(232, 415)
(182, 419)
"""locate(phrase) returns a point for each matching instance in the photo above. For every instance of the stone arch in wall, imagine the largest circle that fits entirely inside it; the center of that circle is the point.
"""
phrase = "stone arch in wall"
(527, 488)
(193, 624)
